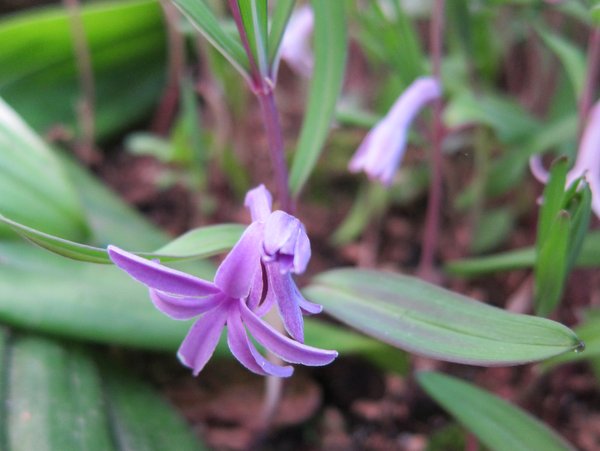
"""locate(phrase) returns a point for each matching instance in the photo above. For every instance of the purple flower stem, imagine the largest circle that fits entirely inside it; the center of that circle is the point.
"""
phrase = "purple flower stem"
(263, 89)
(591, 78)
(432, 219)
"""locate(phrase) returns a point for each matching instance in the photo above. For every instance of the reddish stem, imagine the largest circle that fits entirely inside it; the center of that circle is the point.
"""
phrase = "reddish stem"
(432, 219)
(263, 89)
(167, 108)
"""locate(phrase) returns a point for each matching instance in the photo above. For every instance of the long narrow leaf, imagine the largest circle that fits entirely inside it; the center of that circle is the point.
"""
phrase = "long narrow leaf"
(428, 320)
(551, 265)
(35, 190)
(330, 60)
(588, 257)
(498, 424)
(205, 21)
(281, 14)
(254, 18)
(199, 243)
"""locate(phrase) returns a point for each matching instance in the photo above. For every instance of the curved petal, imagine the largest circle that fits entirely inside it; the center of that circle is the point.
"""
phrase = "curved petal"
(302, 251)
(383, 148)
(159, 277)
(537, 169)
(281, 230)
(259, 201)
(258, 292)
(307, 306)
(201, 341)
(184, 307)
(284, 347)
(283, 289)
(236, 273)
(243, 349)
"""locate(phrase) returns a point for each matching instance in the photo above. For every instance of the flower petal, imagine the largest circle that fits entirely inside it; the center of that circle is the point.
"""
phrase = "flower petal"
(259, 201)
(307, 306)
(295, 46)
(284, 347)
(282, 286)
(383, 148)
(243, 349)
(236, 273)
(184, 307)
(201, 341)
(280, 228)
(302, 251)
(159, 277)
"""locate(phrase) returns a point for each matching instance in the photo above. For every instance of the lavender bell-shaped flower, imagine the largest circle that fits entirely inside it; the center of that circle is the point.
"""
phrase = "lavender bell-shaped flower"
(588, 159)
(295, 46)
(275, 246)
(382, 150)
(182, 296)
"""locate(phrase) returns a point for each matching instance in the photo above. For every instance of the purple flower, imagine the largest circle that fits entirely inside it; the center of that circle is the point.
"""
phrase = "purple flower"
(295, 46)
(254, 275)
(383, 148)
(588, 159)
(182, 296)
(273, 246)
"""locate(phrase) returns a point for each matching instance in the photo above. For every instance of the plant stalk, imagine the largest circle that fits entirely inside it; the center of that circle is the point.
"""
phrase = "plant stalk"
(432, 219)
(263, 89)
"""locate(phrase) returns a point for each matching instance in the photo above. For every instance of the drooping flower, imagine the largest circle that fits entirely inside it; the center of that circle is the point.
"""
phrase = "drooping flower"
(182, 296)
(295, 46)
(381, 152)
(273, 246)
(587, 162)
(253, 276)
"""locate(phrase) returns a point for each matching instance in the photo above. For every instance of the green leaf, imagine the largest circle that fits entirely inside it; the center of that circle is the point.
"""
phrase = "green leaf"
(123, 37)
(589, 332)
(507, 118)
(326, 84)
(553, 199)
(54, 398)
(205, 21)
(522, 258)
(499, 425)
(57, 398)
(551, 265)
(254, 18)
(580, 207)
(431, 321)
(142, 420)
(570, 56)
(281, 15)
(492, 229)
(397, 39)
(595, 13)
(198, 243)
(35, 189)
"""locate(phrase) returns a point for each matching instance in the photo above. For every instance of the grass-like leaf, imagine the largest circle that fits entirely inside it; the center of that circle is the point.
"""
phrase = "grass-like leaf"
(198, 243)
(431, 321)
(330, 44)
(58, 398)
(281, 14)
(498, 424)
(207, 23)
(34, 186)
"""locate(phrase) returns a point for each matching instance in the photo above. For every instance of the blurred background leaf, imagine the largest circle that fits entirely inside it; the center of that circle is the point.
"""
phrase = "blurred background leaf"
(127, 45)
(498, 424)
